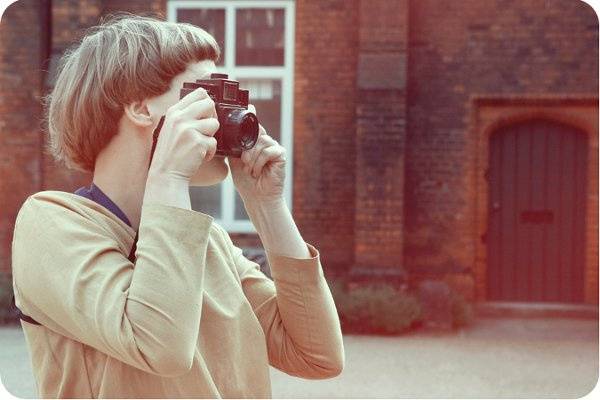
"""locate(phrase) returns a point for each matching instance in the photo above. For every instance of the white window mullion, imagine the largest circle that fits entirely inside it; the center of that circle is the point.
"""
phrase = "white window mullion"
(230, 37)
(287, 108)
(260, 72)
(172, 7)
(226, 3)
(227, 187)
(285, 74)
(227, 200)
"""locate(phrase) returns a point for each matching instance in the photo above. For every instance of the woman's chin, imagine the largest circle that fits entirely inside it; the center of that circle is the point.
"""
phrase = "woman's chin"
(215, 171)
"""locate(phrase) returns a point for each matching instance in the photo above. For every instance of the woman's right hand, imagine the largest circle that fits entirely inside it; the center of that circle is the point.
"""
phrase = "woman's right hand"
(186, 139)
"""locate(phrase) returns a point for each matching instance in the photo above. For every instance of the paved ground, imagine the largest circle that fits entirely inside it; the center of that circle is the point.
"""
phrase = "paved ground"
(502, 358)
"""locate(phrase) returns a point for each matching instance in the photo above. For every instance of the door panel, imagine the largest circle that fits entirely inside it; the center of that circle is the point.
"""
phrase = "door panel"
(536, 212)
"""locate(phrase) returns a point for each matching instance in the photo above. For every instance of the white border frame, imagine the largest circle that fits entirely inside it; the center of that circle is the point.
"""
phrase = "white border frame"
(285, 73)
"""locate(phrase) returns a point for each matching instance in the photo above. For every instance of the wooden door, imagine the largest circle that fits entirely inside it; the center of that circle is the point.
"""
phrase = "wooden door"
(536, 213)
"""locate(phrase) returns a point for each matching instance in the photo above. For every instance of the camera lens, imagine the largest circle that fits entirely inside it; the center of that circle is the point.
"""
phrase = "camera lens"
(243, 126)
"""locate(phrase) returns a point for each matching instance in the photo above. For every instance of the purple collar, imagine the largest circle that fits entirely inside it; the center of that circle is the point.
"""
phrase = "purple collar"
(94, 193)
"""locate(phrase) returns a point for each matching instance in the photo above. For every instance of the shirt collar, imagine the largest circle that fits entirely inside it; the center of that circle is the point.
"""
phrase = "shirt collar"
(94, 193)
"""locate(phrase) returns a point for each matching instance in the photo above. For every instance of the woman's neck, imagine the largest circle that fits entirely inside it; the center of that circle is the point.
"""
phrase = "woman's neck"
(121, 170)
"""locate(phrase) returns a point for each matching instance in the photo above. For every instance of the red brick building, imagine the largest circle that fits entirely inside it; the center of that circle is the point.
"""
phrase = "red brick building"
(429, 139)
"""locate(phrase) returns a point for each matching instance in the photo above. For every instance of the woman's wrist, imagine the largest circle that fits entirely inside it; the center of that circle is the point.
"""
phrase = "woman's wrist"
(254, 202)
(276, 227)
(167, 190)
(261, 209)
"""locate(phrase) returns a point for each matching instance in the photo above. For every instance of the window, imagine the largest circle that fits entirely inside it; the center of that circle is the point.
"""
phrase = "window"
(256, 39)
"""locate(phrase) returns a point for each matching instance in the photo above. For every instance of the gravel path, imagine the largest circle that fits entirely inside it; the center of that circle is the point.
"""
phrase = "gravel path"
(503, 358)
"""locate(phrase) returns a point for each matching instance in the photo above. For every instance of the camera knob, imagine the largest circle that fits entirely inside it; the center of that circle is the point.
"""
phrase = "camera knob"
(218, 76)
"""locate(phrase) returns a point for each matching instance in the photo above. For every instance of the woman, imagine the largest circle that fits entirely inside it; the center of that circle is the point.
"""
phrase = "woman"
(190, 316)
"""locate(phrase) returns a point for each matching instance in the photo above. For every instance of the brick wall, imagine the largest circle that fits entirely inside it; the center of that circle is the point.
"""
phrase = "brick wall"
(380, 138)
(387, 155)
(31, 32)
(485, 48)
(325, 126)
(20, 82)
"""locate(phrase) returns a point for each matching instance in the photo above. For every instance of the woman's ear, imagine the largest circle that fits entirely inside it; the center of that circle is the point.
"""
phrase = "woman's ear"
(138, 113)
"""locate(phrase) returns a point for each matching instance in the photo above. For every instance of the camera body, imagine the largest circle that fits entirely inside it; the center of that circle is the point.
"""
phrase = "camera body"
(238, 127)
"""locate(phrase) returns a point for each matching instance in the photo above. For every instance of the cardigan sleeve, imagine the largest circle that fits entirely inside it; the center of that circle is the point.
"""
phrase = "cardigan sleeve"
(296, 311)
(70, 275)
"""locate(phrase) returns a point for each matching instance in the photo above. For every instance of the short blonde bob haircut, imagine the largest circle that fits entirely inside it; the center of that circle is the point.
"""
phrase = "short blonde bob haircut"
(126, 58)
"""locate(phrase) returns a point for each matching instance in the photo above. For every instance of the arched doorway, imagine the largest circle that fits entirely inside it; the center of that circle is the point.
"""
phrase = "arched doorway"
(536, 212)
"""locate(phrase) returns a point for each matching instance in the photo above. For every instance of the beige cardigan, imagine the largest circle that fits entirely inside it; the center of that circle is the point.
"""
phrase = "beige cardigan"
(191, 318)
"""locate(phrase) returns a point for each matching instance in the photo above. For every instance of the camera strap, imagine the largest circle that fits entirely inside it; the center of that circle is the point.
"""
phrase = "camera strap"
(13, 305)
(154, 140)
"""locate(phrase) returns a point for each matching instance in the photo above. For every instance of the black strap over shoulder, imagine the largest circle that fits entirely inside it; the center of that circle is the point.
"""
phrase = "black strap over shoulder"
(132, 252)
(13, 305)
(16, 311)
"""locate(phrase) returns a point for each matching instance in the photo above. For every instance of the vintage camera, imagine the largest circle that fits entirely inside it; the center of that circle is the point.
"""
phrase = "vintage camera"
(238, 127)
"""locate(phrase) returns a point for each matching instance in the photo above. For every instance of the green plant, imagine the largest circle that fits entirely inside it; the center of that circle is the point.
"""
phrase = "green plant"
(375, 307)
(338, 291)
(6, 292)
(462, 311)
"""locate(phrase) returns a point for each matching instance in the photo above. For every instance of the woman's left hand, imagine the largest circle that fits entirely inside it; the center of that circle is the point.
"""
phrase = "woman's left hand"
(259, 174)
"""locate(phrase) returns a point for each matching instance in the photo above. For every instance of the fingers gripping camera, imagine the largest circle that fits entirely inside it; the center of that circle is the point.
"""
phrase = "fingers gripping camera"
(238, 130)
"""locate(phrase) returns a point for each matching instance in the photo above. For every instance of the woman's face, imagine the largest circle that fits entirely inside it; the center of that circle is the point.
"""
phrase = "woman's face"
(215, 170)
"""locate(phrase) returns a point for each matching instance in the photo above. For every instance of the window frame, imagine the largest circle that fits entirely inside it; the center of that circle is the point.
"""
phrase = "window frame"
(283, 73)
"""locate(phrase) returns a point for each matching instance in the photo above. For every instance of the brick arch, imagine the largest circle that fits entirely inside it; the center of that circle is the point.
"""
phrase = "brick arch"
(491, 114)
(519, 117)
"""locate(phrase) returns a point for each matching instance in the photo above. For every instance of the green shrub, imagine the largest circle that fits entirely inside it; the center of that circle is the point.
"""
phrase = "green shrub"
(462, 311)
(6, 292)
(338, 290)
(375, 308)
